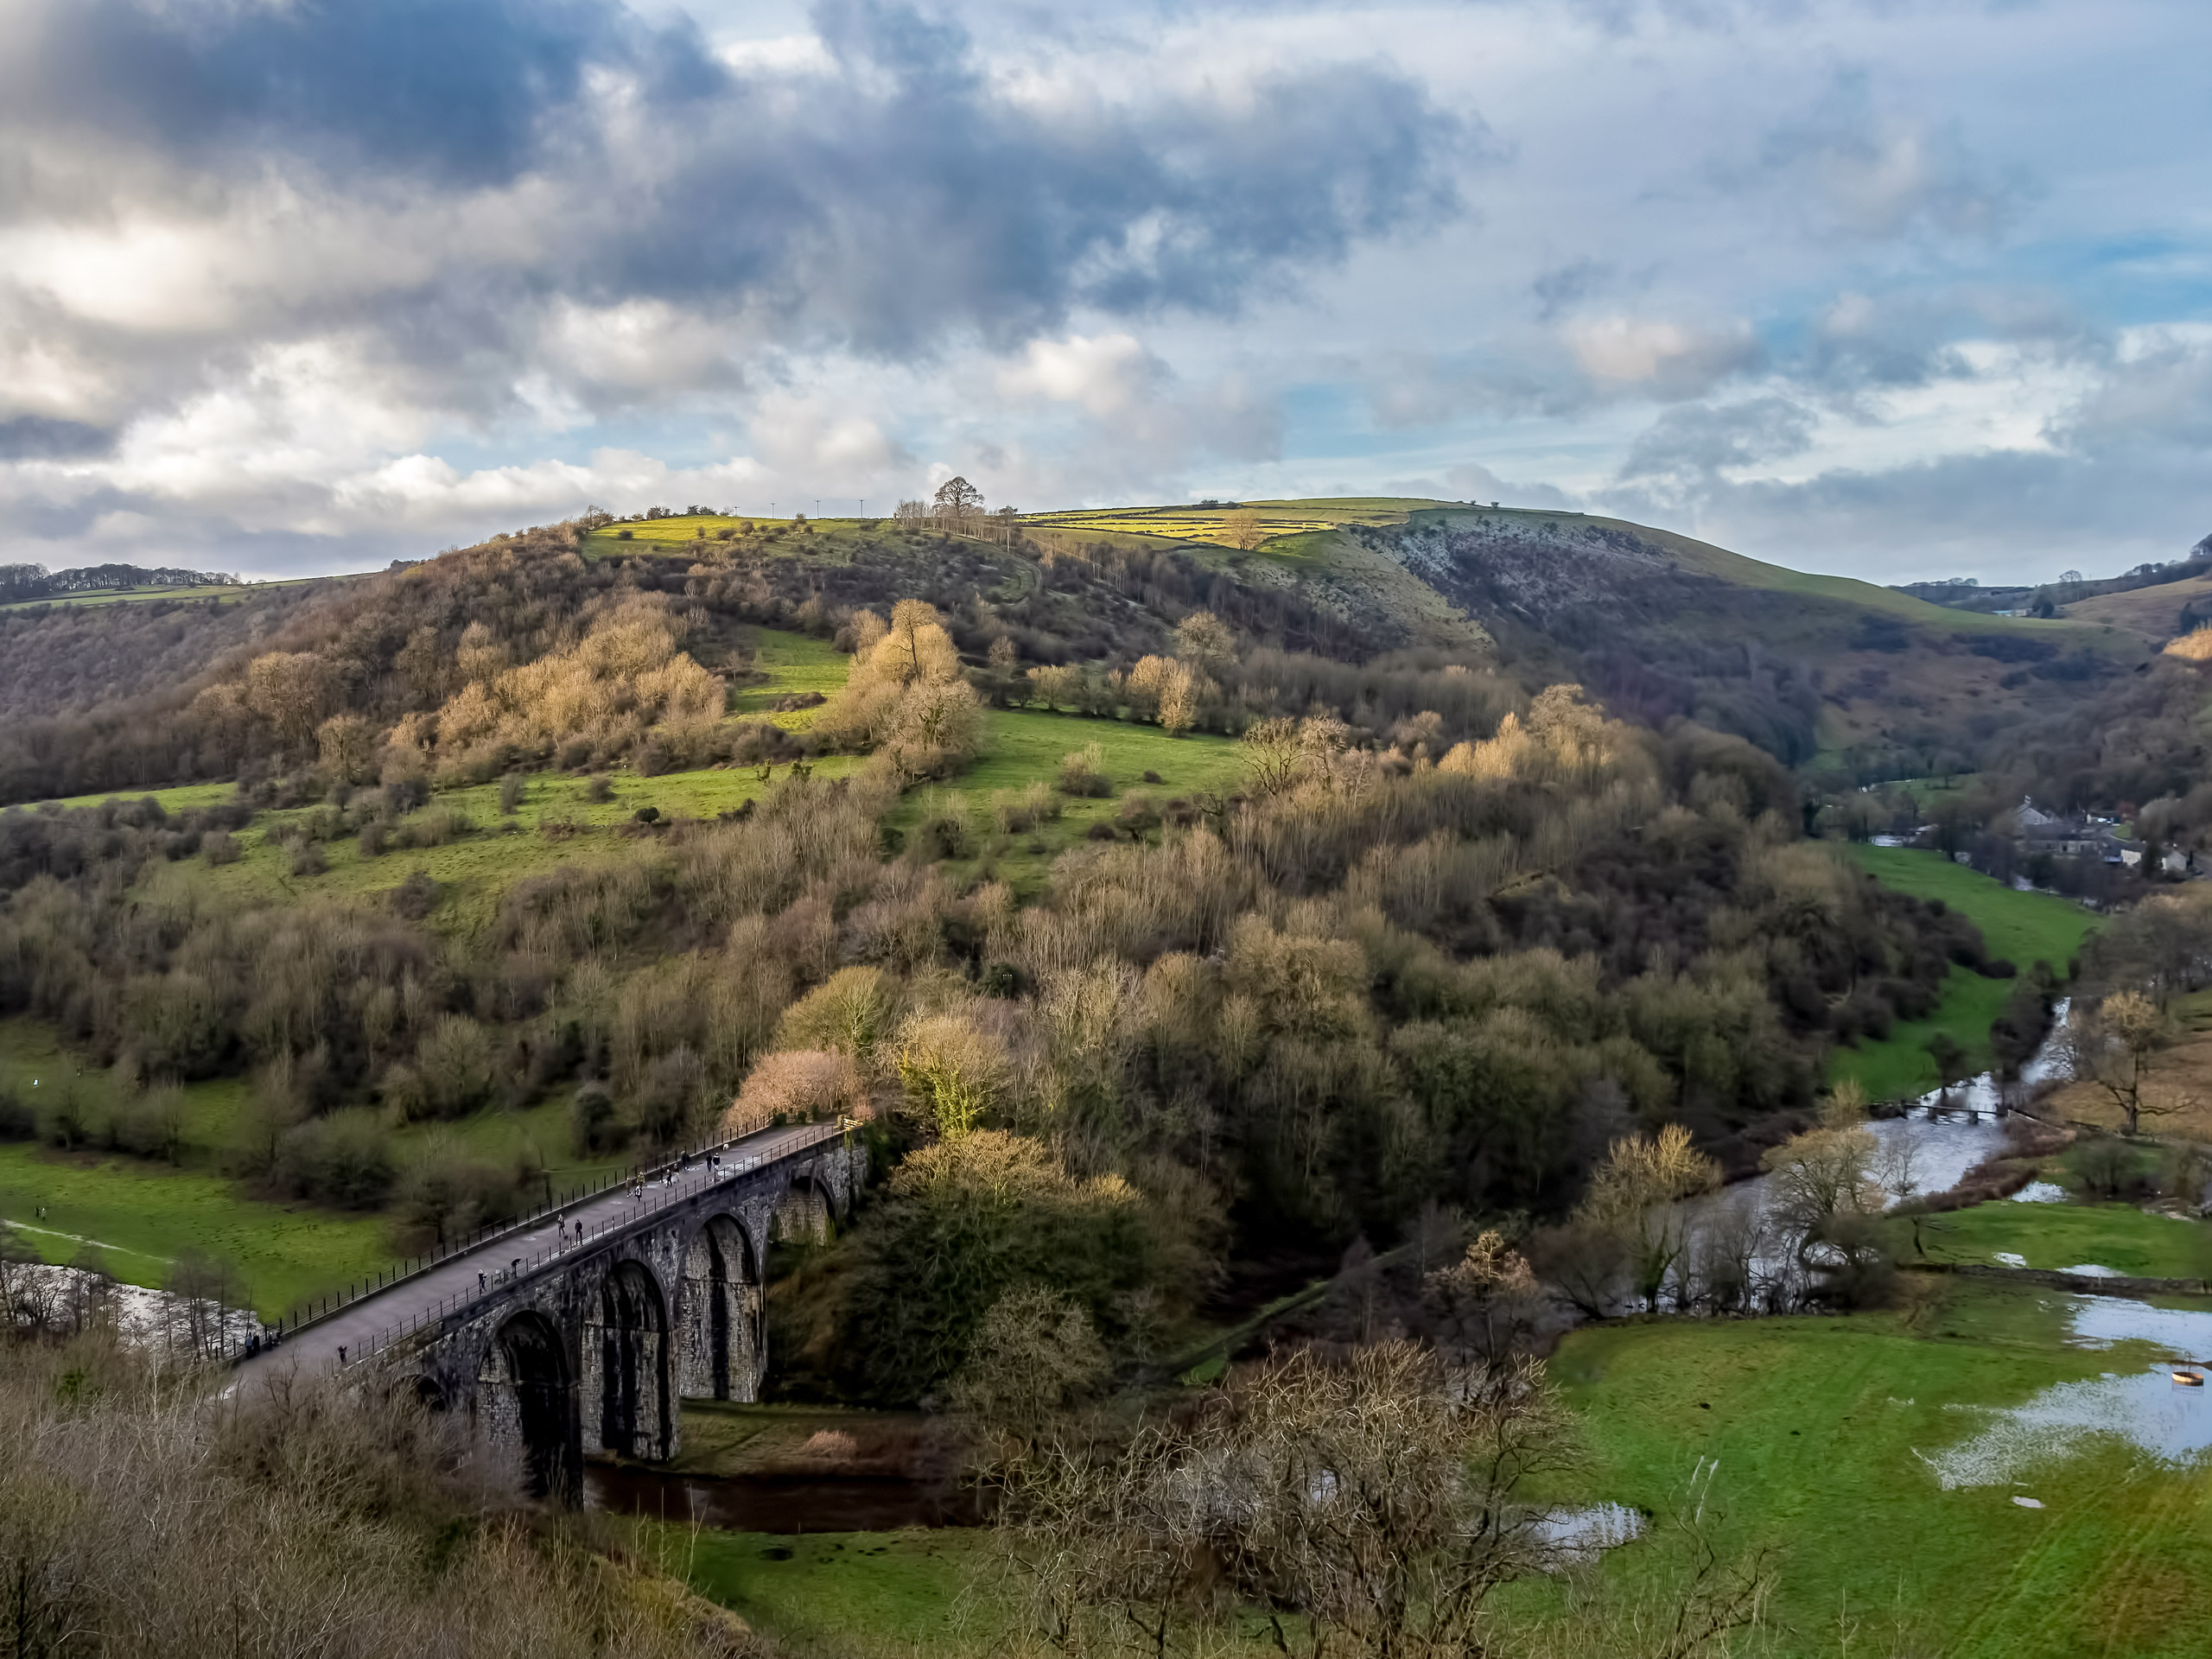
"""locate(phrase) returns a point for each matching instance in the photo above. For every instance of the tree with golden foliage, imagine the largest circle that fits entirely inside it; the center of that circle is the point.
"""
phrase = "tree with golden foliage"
(954, 1072)
(1487, 1296)
(798, 1085)
(2113, 1045)
(1241, 529)
(1637, 1195)
(1205, 641)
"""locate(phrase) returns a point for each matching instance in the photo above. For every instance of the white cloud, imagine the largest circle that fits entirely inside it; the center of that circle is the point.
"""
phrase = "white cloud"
(1668, 359)
(1106, 375)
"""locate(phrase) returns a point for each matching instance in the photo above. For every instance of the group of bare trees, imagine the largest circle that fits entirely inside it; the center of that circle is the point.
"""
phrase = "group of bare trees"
(141, 1514)
(1367, 1505)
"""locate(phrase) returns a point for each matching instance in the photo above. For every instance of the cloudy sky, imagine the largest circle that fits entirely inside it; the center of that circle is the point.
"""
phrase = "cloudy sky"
(1898, 288)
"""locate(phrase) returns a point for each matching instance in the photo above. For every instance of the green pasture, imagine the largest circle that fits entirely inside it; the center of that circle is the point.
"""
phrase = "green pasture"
(178, 798)
(794, 664)
(143, 1212)
(2022, 927)
(2140, 1244)
(1021, 745)
(139, 1216)
(1814, 1425)
(473, 868)
(871, 1595)
(818, 538)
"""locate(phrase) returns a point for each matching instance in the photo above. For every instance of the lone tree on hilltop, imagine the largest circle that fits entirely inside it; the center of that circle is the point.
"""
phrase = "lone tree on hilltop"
(1243, 529)
(956, 498)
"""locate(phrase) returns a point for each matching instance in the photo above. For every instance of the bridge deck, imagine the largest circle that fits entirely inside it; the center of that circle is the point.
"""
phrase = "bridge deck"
(361, 1328)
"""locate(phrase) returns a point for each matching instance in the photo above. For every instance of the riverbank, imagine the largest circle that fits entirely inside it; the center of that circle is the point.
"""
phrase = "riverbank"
(2022, 928)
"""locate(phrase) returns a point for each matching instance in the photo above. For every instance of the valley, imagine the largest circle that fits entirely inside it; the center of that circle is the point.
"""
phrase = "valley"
(1251, 906)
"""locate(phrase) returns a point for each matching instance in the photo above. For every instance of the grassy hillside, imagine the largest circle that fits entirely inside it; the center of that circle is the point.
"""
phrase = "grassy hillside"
(2153, 613)
(2023, 928)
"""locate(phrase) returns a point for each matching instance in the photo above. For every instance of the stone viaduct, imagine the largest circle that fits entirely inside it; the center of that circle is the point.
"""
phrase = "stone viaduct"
(582, 1332)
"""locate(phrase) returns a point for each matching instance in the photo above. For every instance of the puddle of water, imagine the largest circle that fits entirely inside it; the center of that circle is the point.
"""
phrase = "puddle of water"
(2101, 1321)
(1584, 1534)
(780, 1503)
(2147, 1410)
(2040, 1193)
(2091, 1270)
(2008, 1259)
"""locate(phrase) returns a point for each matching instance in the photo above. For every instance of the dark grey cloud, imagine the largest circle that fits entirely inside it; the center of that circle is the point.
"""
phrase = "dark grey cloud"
(1702, 438)
(32, 437)
(463, 91)
(909, 196)
(902, 199)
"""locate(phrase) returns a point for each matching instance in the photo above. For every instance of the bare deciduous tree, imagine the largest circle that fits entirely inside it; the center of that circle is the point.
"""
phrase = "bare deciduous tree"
(2113, 1045)
(1366, 1508)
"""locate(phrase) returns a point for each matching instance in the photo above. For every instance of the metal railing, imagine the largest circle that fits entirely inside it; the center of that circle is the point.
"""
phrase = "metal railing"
(666, 1175)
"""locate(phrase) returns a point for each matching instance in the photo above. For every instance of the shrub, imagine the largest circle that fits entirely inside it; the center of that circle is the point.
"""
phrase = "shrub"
(1017, 812)
(1100, 830)
(217, 846)
(600, 790)
(443, 1197)
(594, 1123)
(1083, 773)
(17, 1121)
(343, 1159)
(2109, 1169)
(151, 1126)
(455, 1063)
(308, 859)
(1138, 817)
(372, 838)
(510, 792)
(943, 831)
(414, 897)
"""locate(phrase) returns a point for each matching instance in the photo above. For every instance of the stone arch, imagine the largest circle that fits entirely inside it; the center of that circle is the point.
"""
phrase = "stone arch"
(526, 1404)
(722, 1352)
(626, 1354)
(803, 1212)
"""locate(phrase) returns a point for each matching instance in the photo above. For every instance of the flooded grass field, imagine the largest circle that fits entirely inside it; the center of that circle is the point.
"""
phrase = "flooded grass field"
(1884, 1452)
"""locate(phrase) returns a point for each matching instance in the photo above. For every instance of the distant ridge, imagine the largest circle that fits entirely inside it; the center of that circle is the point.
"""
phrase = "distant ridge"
(22, 583)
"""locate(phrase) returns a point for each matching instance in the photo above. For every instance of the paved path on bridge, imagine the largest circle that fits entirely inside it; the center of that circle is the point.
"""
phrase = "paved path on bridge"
(359, 1327)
